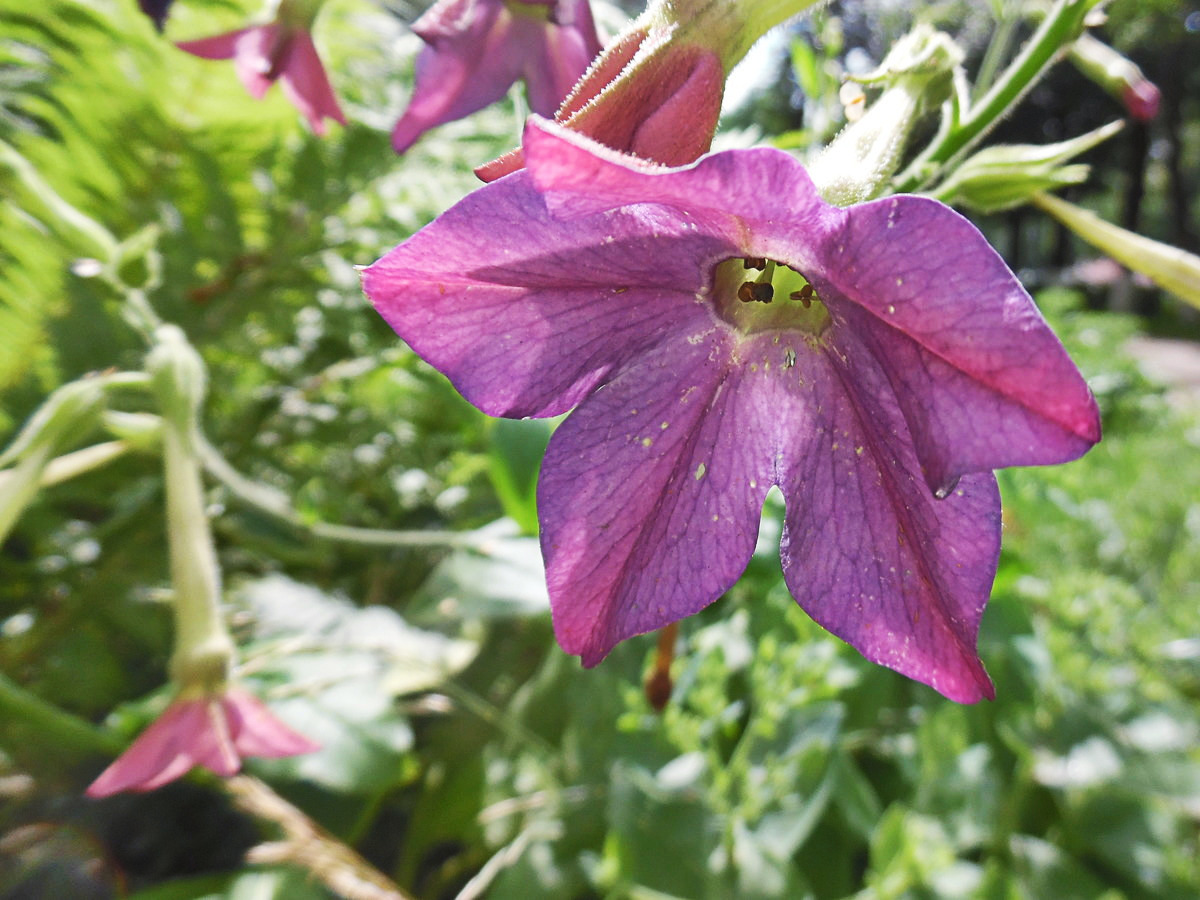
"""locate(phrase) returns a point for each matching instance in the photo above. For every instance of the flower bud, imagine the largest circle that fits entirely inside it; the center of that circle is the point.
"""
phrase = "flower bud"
(70, 411)
(1008, 175)
(1169, 267)
(1118, 76)
(179, 376)
(918, 77)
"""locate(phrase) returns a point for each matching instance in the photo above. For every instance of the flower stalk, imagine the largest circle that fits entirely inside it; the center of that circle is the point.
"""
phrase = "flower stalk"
(204, 651)
(1061, 26)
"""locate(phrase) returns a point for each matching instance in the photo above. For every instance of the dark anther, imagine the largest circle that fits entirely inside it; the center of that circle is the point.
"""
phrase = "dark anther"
(756, 291)
(804, 295)
(754, 262)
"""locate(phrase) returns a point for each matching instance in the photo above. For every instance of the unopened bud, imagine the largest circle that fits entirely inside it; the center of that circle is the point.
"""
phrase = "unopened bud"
(179, 376)
(1118, 76)
(918, 75)
(1169, 267)
(1008, 175)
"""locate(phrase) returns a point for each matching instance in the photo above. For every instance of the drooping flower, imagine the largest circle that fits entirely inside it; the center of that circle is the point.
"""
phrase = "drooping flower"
(216, 731)
(477, 49)
(719, 329)
(281, 51)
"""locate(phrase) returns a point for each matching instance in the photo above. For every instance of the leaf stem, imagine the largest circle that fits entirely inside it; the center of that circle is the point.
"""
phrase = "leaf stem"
(54, 724)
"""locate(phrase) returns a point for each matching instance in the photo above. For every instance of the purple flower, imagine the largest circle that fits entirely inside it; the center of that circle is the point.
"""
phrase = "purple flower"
(213, 731)
(721, 329)
(477, 49)
(280, 52)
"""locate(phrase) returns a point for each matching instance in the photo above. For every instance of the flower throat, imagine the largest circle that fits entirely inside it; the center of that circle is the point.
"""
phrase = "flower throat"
(756, 294)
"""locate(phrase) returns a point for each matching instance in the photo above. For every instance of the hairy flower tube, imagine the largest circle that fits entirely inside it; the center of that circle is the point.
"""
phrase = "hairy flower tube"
(477, 49)
(281, 51)
(719, 329)
(215, 731)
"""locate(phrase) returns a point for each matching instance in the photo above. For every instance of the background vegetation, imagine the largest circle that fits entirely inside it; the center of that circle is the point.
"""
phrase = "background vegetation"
(464, 755)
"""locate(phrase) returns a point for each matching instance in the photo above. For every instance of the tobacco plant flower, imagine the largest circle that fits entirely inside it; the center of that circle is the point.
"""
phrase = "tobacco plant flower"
(719, 329)
(282, 51)
(477, 49)
(215, 731)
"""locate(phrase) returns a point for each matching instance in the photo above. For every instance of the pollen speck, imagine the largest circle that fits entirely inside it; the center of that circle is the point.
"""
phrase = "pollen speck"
(665, 425)
(858, 450)
(646, 442)
(891, 310)
(700, 470)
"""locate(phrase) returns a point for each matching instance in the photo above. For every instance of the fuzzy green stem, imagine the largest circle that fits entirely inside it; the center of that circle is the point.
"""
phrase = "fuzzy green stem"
(730, 27)
(203, 649)
(276, 504)
(1058, 30)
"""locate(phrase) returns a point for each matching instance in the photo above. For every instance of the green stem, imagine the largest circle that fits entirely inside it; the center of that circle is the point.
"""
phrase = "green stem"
(19, 485)
(1058, 30)
(52, 723)
(276, 504)
(997, 50)
(728, 27)
(203, 648)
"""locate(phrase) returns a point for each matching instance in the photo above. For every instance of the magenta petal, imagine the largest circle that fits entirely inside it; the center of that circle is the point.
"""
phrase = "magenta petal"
(256, 730)
(477, 49)
(528, 328)
(256, 59)
(867, 550)
(306, 85)
(212, 745)
(161, 753)
(982, 380)
(211, 731)
(774, 212)
(463, 68)
(221, 46)
(650, 499)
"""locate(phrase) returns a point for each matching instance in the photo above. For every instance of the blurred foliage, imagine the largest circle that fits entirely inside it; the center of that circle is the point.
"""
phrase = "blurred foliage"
(463, 753)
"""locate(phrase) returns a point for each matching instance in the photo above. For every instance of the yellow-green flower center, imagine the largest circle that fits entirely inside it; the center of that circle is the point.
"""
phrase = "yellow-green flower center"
(756, 295)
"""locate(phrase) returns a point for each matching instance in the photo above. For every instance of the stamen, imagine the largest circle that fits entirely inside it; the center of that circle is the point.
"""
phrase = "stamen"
(754, 262)
(804, 295)
(756, 292)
